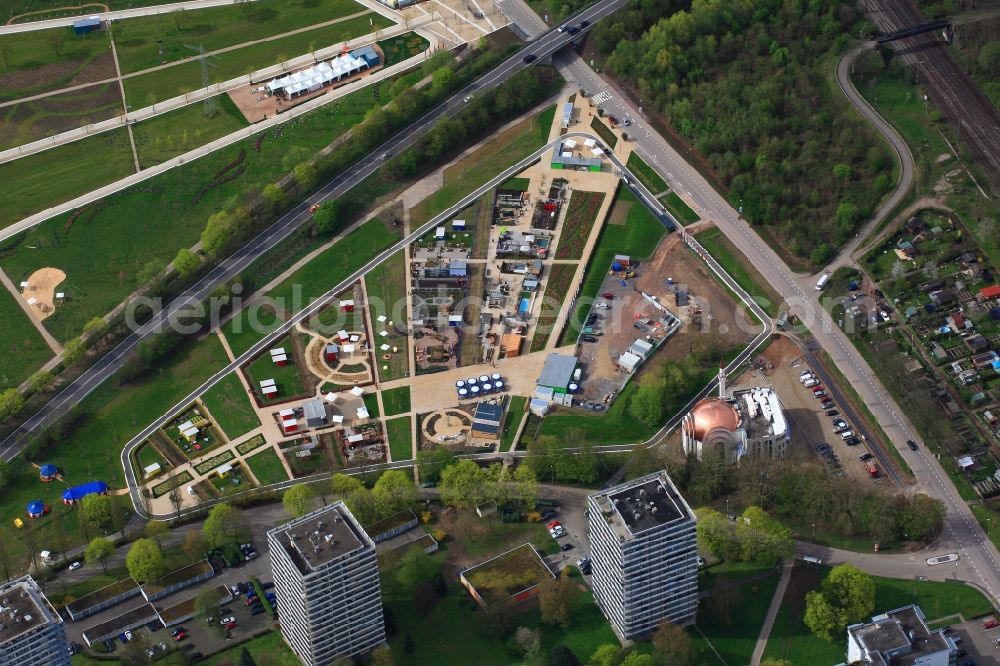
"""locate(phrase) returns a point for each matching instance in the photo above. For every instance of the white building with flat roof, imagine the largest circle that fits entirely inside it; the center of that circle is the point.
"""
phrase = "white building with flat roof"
(326, 579)
(643, 555)
(31, 632)
(900, 637)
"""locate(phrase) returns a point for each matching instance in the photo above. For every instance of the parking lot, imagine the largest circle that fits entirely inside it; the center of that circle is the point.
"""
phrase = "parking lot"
(977, 643)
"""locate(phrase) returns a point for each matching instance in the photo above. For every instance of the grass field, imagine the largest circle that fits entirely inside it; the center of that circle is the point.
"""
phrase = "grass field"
(400, 436)
(112, 416)
(105, 248)
(741, 270)
(469, 173)
(174, 133)
(515, 414)
(148, 89)
(735, 641)
(267, 467)
(386, 287)
(230, 407)
(616, 426)
(59, 174)
(646, 174)
(680, 210)
(149, 41)
(249, 326)
(371, 404)
(37, 119)
(38, 61)
(24, 349)
(396, 401)
(604, 132)
(269, 647)
(558, 288)
(638, 238)
(286, 377)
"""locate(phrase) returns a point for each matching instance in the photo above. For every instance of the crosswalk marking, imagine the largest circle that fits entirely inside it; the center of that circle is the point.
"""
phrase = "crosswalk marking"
(602, 97)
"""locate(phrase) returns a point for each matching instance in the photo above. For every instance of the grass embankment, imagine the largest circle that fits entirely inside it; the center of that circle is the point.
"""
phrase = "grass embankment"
(646, 174)
(515, 414)
(267, 467)
(680, 210)
(47, 59)
(472, 171)
(386, 287)
(149, 41)
(25, 351)
(148, 89)
(400, 435)
(174, 133)
(149, 222)
(604, 132)
(741, 270)
(637, 238)
(230, 407)
(90, 451)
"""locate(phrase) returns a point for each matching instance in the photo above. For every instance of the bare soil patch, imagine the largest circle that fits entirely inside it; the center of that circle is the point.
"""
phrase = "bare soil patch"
(42, 288)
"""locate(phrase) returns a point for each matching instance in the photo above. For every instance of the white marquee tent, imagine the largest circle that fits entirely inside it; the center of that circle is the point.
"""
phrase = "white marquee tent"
(317, 76)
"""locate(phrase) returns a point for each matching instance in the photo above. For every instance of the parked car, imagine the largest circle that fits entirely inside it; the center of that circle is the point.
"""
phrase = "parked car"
(150, 652)
(257, 610)
(913, 445)
(832, 412)
(566, 546)
(809, 383)
(427, 484)
(819, 394)
(554, 523)
(548, 514)
(852, 441)
(178, 632)
(76, 565)
(817, 389)
(587, 337)
(827, 404)
(155, 625)
(110, 645)
(227, 620)
(991, 623)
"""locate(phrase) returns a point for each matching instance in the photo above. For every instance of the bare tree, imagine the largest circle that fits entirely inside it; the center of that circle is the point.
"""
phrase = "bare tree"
(176, 499)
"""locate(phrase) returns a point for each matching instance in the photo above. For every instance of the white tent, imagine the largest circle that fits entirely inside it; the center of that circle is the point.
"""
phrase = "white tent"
(569, 143)
(590, 143)
(357, 391)
(331, 397)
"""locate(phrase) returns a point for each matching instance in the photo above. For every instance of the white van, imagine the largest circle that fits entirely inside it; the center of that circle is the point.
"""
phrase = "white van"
(846, 435)
(821, 284)
(809, 383)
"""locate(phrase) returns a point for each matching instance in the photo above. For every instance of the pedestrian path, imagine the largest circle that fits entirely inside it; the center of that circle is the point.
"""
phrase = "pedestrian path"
(772, 611)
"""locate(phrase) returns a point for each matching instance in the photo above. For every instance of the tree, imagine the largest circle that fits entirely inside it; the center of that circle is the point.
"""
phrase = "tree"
(357, 498)
(343, 485)
(98, 551)
(206, 604)
(605, 655)
(841, 172)
(555, 600)
(989, 58)
(185, 262)
(298, 499)
(73, 351)
(528, 642)
(155, 529)
(431, 461)
(96, 509)
(145, 561)
(4, 473)
(394, 491)
(217, 232)
(847, 595)
(561, 655)
(305, 175)
(919, 516)
(672, 644)
(150, 272)
(382, 656)
(647, 402)
(327, 218)
(11, 402)
(637, 659)
(41, 380)
(415, 568)
(224, 525)
(193, 545)
(274, 196)
(462, 484)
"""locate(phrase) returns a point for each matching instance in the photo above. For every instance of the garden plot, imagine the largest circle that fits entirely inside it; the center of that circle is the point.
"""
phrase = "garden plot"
(40, 118)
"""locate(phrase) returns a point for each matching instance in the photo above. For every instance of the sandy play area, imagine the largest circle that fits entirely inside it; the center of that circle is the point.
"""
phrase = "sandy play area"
(40, 288)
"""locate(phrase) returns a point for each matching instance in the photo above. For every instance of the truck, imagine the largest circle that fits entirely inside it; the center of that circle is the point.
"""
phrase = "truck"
(822, 282)
(871, 468)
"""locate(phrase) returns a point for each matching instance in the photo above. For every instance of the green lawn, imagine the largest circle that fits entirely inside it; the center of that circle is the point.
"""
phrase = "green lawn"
(24, 348)
(230, 407)
(396, 401)
(62, 54)
(746, 275)
(471, 172)
(515, 414)
(399, 48)
(59, 174)
(936, 600)
(174, 133)
(680, 210)
(616, 426)
(286, 377)
(371, 404)
(149, 41)
(735, 641)
(400, 437)
(386, 288)
(148, 89)
(270, 646)
(603, 131)
(267, 467)
(112, 416)
(105, 249)
(249, 326)
(638, 238)
(646, 174)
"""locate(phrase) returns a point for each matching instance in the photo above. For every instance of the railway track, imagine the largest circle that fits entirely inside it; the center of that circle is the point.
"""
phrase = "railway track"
(947, 85)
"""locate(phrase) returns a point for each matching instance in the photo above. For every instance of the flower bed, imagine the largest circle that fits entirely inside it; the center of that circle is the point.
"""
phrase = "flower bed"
(161, 489)
(581, 213)
(214, 462)
(251, 444)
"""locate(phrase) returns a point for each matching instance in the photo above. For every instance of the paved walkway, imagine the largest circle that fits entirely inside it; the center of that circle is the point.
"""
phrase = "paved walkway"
(32, 315)
(772, 612)
(121, 89)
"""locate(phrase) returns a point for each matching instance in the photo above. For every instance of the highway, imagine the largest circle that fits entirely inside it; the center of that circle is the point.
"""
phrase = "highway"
(647, 197)
(547, 44)
(962, 534)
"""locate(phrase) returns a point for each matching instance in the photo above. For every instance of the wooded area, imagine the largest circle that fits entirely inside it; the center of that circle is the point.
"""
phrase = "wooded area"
(749, 84)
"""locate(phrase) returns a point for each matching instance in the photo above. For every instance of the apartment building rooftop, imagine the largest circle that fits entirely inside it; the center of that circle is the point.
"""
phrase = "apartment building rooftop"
(320, 537)
(642, 504)
(23, 607)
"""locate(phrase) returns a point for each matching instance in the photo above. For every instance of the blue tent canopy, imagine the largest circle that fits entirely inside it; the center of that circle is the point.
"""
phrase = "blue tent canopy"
(35, 507)
(79, 492)
(49, 470)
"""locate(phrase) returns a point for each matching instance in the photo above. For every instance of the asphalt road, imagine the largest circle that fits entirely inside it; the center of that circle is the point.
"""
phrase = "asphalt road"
(75, 392)
(962, 534)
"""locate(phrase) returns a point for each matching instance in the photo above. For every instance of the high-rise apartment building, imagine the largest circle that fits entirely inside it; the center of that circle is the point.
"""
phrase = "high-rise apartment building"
(643, 552)
(31, 632)
(326, 579)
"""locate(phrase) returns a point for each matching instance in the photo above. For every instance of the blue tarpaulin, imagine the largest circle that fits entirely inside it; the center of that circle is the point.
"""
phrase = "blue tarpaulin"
(77, 493)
